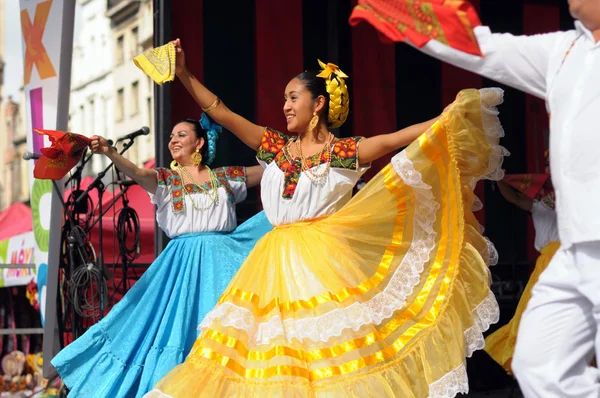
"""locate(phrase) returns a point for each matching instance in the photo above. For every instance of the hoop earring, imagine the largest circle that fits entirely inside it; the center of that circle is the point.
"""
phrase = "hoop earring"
(314, 122)
(197, 157)
(174, 165)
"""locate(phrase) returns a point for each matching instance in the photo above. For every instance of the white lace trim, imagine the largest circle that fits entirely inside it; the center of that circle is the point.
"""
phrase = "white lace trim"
(405, 278)
(454, 382)
(493, 256)
(374, 311)
(477, 204)
(489, 98)
(484, 315)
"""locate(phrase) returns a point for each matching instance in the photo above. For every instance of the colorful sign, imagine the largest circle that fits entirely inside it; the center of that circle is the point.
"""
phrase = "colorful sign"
(19, 249)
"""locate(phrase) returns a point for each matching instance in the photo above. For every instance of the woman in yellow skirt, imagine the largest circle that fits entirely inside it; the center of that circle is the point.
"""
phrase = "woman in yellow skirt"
(500, 345)
(381, 294)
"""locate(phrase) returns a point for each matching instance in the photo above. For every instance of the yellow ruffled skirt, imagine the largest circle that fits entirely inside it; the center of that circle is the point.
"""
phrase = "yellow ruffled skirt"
(384, 298)
(500, 345)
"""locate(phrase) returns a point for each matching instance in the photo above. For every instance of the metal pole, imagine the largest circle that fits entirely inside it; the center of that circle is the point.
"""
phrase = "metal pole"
(162, 106)
(51, 338)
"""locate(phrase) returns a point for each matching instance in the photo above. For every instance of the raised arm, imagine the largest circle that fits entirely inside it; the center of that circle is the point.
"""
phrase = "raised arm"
(146, 178)
(515, 197)
(253, 175)
(250, 133)
(375, 147)
(517, 61)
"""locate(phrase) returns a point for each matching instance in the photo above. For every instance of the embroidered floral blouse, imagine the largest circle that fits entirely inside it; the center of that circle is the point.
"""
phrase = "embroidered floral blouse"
(177, 216)
(288, 195)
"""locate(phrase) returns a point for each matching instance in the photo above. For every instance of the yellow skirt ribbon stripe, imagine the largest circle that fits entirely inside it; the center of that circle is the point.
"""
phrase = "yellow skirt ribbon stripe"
(386, 297)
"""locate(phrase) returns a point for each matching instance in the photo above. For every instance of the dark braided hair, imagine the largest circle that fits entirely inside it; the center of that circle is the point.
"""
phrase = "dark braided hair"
(316, 86)
(333, 87)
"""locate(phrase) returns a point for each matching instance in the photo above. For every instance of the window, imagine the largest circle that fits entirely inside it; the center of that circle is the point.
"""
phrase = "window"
(119, 111)
(93, 58)
(92, 118)
(135, 37)
(135, 98)
(149, 106)
(104, 116)
(9, 133)
(120, 55)
(81, 120)
(103, 53)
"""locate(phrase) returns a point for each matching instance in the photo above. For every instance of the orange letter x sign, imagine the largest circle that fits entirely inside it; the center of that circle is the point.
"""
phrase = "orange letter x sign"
(35, 52)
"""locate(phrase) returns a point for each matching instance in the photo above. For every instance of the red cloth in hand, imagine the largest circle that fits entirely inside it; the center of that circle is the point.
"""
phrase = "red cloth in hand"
(63, 154)
(450, 22)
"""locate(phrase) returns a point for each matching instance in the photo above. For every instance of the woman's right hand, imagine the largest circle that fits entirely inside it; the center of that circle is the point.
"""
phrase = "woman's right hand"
(507, 191)
(100, 145)
(179, 57)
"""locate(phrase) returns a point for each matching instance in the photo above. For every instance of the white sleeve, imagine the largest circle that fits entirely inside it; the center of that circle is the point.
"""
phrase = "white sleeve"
(235, 178)
(517, 61)
(163, 193)
(239, 191)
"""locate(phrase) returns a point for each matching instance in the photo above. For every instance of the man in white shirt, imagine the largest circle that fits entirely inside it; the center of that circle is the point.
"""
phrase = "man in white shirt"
(558, 335)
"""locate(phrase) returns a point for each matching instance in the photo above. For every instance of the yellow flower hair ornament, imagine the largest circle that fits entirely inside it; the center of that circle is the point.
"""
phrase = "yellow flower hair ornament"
(339, 100)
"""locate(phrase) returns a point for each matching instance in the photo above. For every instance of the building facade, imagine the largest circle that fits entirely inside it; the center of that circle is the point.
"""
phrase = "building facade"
(109, 95)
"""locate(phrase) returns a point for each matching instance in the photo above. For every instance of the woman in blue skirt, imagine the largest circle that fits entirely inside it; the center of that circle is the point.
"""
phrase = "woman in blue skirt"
(148, 332)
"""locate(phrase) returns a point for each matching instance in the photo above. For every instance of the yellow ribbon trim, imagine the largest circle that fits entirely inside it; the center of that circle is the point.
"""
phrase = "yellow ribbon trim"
(448, 245)
(395, 185)
(426, 309)
(231, 364)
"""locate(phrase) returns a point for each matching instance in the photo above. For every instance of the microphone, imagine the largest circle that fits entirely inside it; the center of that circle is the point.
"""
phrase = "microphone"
(31, 156)
(126, 183)
(143, 131)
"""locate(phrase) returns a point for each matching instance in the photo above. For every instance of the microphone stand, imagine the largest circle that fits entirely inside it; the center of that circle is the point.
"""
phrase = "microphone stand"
(75, 242)
(124, 188)
(99, 185)
(124, 185)
(76, 175)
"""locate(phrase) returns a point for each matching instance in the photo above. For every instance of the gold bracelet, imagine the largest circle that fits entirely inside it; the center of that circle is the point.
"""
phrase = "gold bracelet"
(213, 106)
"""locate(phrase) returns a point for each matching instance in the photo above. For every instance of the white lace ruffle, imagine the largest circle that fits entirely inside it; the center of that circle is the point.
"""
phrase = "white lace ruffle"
(477, 204)
(491, 97)
(406, 276)
(380, 307)
(485, 314)
(454, 382)
(493, 256)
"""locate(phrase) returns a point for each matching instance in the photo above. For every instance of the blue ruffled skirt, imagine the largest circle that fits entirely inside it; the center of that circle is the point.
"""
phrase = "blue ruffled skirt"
(152, 329)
